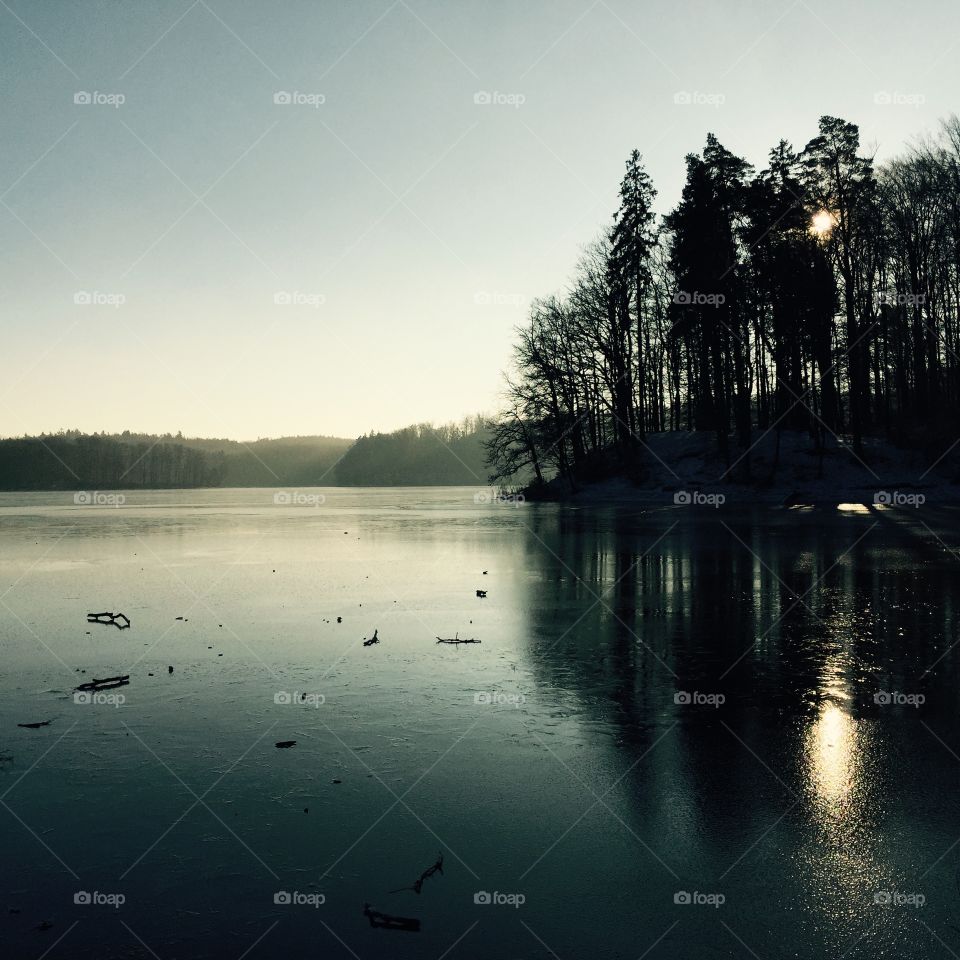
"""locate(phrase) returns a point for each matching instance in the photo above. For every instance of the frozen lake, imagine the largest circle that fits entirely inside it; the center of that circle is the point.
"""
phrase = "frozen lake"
(753, 710)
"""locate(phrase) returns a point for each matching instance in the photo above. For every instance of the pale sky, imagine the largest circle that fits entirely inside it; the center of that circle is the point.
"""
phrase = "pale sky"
(408, 224)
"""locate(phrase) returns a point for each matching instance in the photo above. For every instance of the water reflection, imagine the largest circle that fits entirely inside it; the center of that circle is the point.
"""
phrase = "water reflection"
(785, 790)
(610, 788)
(831, 753)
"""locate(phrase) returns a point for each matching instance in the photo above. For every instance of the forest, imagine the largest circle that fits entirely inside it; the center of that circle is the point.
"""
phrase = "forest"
(820, 294)
(416, 455)
(420, 455)
(71, 460)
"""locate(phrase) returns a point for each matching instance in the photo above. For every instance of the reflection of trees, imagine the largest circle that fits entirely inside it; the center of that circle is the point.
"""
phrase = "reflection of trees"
(797, 625)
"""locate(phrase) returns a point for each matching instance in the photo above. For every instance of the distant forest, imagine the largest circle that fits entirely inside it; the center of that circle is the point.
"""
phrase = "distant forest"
(70, 460)
(821, 294)
(421, 455)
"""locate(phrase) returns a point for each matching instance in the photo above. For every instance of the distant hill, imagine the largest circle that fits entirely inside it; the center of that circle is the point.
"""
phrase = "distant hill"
(415, 456)
(420, 455)
(72, 460)
(293, 461)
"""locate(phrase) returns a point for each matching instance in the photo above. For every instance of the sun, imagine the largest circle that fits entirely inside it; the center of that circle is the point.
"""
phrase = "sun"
(822, 222)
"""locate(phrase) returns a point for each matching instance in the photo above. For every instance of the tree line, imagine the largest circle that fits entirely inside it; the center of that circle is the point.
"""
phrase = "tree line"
(71, 461)
(418, 455)
(821, 294)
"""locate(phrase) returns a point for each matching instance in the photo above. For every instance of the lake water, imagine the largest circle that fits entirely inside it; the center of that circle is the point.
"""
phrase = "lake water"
(686, 732)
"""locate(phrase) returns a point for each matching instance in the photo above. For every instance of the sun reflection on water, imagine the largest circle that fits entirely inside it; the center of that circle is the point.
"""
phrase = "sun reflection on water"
(842, 861)
(832, 759)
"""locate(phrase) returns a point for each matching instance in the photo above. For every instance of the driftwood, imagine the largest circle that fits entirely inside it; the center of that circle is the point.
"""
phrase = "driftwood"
(456, 639)
(108, 683)
(386, 922)
(119, 620)
(37, 725)
(429, 872)
(374, 639)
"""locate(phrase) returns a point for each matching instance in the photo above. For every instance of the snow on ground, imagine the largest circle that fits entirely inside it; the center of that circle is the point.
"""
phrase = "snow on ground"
(681, 463)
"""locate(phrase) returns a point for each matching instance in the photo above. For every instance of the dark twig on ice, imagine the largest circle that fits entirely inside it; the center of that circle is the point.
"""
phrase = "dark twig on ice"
(108, 683)
(37, 725)
(456, 639)
(386, 922)
(120, 620)
(429, 872)
(374, 639)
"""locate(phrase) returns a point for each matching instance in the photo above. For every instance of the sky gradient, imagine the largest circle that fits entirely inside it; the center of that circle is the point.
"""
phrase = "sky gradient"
(202, 258)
